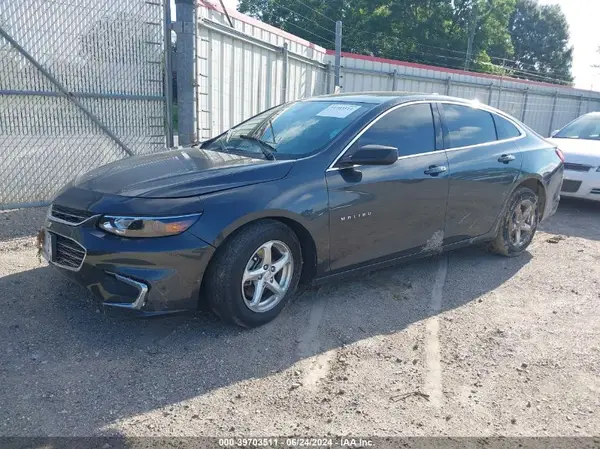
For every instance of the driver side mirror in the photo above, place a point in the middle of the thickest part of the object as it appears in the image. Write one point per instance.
(554, 132)
(371, 155)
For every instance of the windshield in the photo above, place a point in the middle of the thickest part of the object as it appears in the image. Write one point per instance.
(586, 127)
(291, 130)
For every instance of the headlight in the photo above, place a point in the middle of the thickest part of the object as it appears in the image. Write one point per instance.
(147, 226)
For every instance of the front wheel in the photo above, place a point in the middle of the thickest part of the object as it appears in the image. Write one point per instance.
(518, 225)
(254, 274)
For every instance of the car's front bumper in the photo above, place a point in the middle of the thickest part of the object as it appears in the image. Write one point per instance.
(581, 184)
(146, 275)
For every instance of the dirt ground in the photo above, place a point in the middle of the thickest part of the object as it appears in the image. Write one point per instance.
(465, 344)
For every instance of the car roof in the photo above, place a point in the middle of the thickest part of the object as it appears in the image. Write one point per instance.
(384, 97)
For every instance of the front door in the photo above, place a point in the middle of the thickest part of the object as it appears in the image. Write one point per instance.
(378, 212)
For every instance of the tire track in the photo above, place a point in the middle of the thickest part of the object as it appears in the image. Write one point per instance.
(315, 365)
(433, 376)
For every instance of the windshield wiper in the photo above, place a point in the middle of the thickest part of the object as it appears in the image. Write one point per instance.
(267, 149)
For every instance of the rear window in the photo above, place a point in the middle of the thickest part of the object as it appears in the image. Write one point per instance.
(504, 128)
(468, 126)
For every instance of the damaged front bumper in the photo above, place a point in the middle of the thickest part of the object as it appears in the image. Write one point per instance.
(144, 275)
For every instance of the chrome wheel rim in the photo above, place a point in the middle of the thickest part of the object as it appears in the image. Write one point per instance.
(267, 276)
(522, 223)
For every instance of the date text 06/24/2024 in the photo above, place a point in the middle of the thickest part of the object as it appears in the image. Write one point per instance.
(295, 442)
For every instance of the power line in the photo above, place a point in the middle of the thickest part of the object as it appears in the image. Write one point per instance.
(526, 72)
(314, 10)
(462, 52)
(308, 31)
(509, 70)
(306, 18)
(472, 59)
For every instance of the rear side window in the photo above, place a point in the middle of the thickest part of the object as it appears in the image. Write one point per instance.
(504, 128)
(468, 126)
(409, 128)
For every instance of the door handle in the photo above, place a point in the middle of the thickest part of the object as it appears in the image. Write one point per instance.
(506, 158)
(435, 170)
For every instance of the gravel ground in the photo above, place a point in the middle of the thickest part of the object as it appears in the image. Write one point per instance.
(465, 344)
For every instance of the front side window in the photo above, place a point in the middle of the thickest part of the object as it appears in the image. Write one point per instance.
(468, 126)
(291, 130)
(408, 128)
(586, 127)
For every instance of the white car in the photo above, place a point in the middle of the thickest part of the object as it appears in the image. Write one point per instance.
(580, 143)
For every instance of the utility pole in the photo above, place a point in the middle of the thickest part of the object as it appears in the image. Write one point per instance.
(338, 54)
(476, 18)
(471, 28)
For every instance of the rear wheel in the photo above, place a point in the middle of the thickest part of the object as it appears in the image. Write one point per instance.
(518, 225)
(254, 274)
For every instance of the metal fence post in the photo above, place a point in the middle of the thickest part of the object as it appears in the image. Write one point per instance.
(185, 70)
(338, 52)
(489, 102)
(328, 78)
(168, 75)
(499, 94)
(284, 74)
(394, 75)
(448, 84)
(551, 127)
(525, 101)
(579, 105)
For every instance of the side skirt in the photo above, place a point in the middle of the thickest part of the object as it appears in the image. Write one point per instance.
(352, 272)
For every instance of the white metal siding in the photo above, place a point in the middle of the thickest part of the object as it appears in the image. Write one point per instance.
(240, 71)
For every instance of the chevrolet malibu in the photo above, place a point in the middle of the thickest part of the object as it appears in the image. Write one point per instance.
(304, 192)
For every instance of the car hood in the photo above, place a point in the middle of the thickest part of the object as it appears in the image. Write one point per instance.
(579, 151)
(181, 173)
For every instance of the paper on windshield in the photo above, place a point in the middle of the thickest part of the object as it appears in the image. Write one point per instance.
(338, 110)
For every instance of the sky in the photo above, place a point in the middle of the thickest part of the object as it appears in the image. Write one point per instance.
(582, 16)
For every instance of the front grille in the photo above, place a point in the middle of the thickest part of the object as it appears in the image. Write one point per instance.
(570, 186)
(595, 191)
(577, 167)
(69, 215)
(69, 253)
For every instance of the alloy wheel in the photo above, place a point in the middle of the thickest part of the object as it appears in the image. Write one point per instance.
(522, 223)
(267, 276)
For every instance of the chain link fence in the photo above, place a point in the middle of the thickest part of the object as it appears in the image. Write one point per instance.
(81, 85)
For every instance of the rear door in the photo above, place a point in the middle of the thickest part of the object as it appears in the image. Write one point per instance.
(483, 163)
(378, 212)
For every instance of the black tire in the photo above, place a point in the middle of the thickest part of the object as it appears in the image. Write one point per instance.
(224, 274)
(502, 243)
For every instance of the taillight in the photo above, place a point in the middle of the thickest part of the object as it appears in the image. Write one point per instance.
(560, 154)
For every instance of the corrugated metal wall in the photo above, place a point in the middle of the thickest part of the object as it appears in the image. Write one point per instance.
(241, 71)
(534, 103)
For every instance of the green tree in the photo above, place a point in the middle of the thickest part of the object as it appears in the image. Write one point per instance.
(540, 38)
(435, 32)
